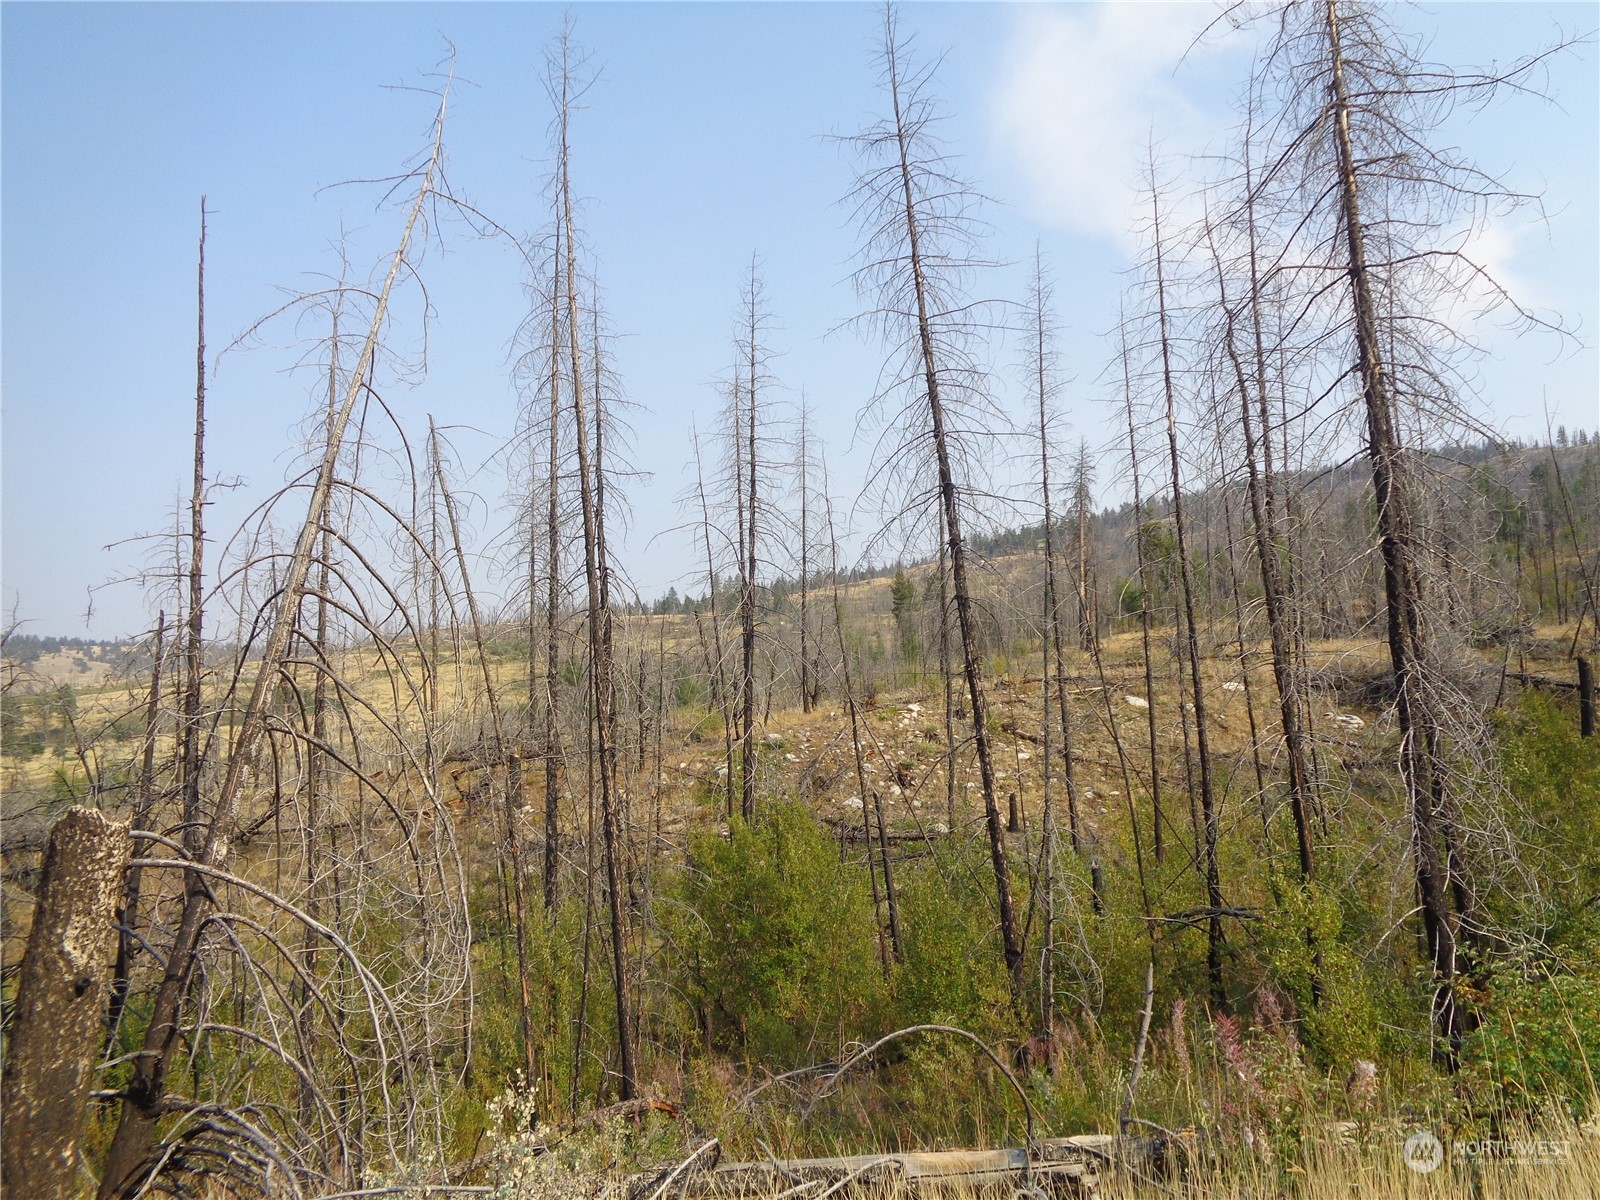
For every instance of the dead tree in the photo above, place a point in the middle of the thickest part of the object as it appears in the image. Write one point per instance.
(810, 647)
(716, 673)
(540, 373)
(193, 750)
(161, 1134)
(1145, 583)
(1041, 356)
(893, 950)
(1211, 815)
(918, 225)
(1082, 485)
(1251, 386)
(501, 761)
(596, 571)
(1359, 194)
(750, 382)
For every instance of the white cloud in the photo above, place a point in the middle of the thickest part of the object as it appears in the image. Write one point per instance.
(1498, 246)
(1087, 89)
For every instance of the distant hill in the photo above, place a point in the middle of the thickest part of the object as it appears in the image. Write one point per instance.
(33, 662)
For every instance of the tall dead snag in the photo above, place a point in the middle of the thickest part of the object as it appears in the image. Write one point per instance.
(317, 765)
(749, 384)
(596, 590)
(545, 462)
(1251, 383)
(1041, 356)
(1360, 196)
(892, 948)
(193, 750)
(1211, 816)
(1142, 561)
(60, 1003)
(1422, 766)
(810, 671)
(552, 629)
(502, 759)
(1082, 505)
(920, 229)
(1041, 363)
(716, 680)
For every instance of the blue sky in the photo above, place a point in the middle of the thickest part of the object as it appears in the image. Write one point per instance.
(704, 140)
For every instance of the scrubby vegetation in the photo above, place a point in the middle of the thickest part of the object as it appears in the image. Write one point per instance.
(1279, 762)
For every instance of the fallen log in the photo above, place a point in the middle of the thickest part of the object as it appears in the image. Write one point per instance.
(1071, 1168)
(852, 833)
(1542, 681)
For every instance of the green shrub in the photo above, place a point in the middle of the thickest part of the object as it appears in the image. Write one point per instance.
(1339, 1019)
(774, 940)
(1539, 1045)
(953, 971)
(1553, 775)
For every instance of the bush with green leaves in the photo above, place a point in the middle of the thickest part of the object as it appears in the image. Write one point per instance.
(774, 944)
(1537, 1052)
(1553, 775)
(1538, 1047)
(953, 970)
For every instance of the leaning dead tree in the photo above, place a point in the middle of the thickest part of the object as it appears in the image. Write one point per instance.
(1243, 343)
(310, 1041)
(919, 229)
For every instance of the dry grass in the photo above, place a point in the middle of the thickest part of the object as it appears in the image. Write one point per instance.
(1557, 1164)
(1553, 1165)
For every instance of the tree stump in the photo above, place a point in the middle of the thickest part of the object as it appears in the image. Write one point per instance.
(1585, 698)
(61, 1004)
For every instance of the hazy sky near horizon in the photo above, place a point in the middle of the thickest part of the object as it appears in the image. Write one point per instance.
(704, 140)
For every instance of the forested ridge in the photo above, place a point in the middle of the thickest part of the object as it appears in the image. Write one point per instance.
(1236, 783)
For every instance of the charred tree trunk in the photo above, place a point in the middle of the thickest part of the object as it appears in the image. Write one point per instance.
(602, 678)
(1421, 737)
(966, 616)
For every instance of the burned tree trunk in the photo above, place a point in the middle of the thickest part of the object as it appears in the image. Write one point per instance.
(911, 209)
